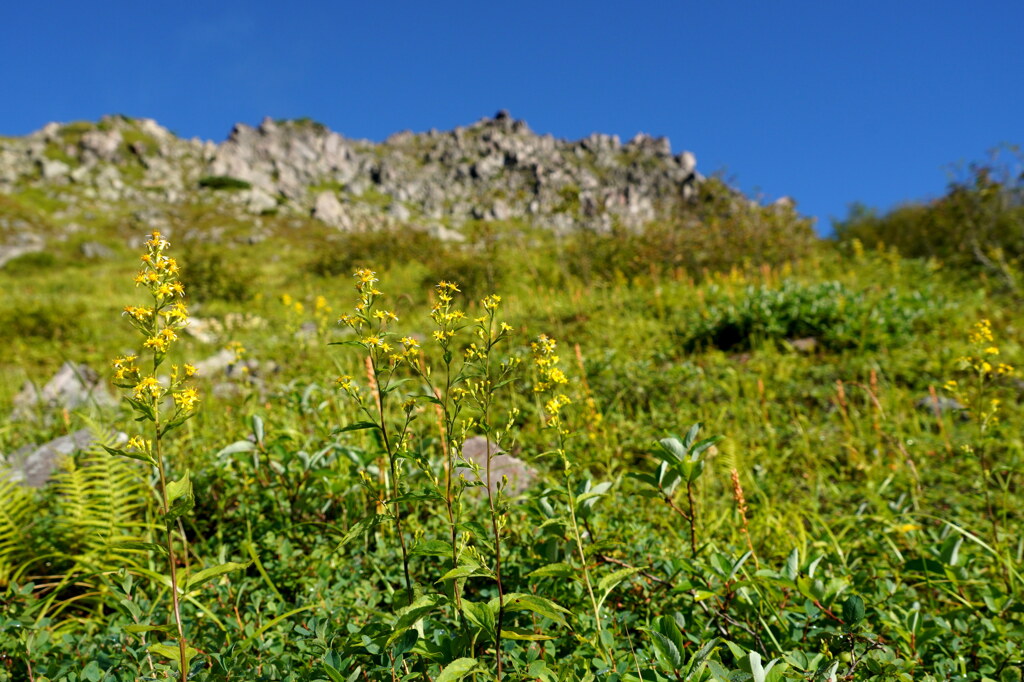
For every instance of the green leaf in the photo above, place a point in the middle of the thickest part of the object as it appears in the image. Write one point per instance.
(212, 572)
(674, 448)
(333, 673)
(358, 426)
(667, 652)
(180, 498)
(480, 615)
(145, 410)
(699, 449)
(235, 448)
(524, 635)
(950, 553)
(175, 423)
(432, 548)
(586, 499)
(559, 570)
(408, 616)
(669, 627)
(691, 436)
(458, 669)
(853, 610)
(361, 528)
(608, 583)
(719, 673)
(699, 659)
(172, 653)
(147, 546)
(739, 564)
(137, 628)
(466, 571)
(141, 456)
(792, 569)
(518, 601)
(692, 470)
(257, 428)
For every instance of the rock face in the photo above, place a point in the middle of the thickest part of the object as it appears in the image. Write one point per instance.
(495, 169)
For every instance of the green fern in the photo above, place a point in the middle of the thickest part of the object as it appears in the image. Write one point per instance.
(102, 501)
(18, 506)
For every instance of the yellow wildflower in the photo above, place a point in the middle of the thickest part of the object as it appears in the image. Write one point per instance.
(186, 400)
(148, 387)
(157, 343)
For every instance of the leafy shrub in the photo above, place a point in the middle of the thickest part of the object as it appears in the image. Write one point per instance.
(31, 262)
(438, 260)
(978, 223)
(835, 315)
(49, 322)
(213, 276)
(218, 182)
(717, 232)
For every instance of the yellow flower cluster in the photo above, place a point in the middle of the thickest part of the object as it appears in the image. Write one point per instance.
(126, 374)
(186, 400)
(237, 349)
(159, 275)
(148, 389)
(139, 443)
(982, 357)
(448, 319)
(549, 377)
(292, 305)
(159, 324)
(378, 341)
(547, 364)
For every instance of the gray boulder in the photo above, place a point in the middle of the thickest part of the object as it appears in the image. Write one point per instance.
(941, 404)
(70, 388)
(33, 465)
(327, 209)
(518, 473)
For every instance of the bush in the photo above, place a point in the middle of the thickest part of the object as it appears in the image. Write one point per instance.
(31, 262)
(217, 182)
(47, 322)
(386, 249)
(720, 230)
(212, 276)
(979, 223)
(835, 315)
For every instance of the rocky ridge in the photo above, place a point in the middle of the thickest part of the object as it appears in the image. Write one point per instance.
(495, 169)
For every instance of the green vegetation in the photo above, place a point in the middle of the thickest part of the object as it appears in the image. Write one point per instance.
(978, 224)
(218, 182)
(714, 501)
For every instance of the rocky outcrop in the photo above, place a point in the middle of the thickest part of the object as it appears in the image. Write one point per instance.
(72, 387)
(496, 169)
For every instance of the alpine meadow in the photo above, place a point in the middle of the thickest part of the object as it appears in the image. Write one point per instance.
(490, 405)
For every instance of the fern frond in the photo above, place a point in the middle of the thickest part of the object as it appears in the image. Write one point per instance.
(102, 504)
(18, 506)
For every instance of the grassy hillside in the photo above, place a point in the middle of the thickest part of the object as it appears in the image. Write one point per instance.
(859, 519)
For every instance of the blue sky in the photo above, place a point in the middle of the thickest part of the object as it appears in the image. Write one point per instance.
(830, 102)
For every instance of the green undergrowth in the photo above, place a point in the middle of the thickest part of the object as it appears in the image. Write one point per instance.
(843, 528)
